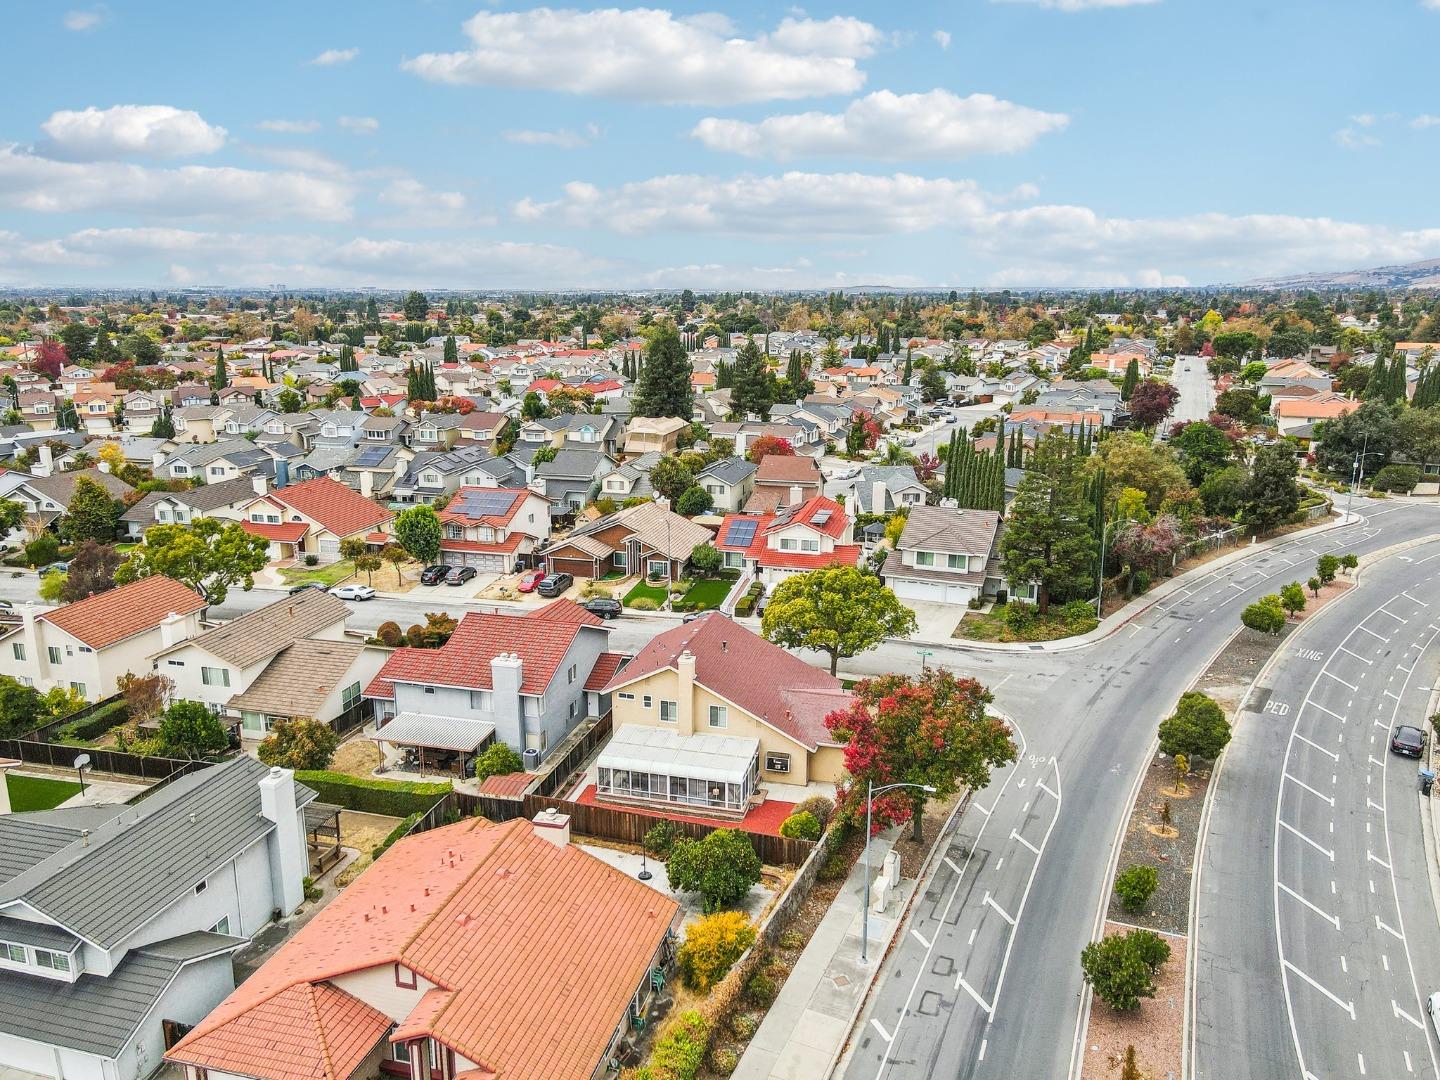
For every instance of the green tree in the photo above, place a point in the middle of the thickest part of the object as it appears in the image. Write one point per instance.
(932, 730)
(1197, 728)
(21, 708)
(367, 564)
(1222, 493)
(52, 586)
(1203, 449)
(932, 384)
(1292, 598)
(497, 760)
(694, 500)
(91, 515)
(839, 610)
(12, 516)
(1349, 560)
(1049, 540)
(452, 350)
(208, 555)
(163, 426)
(1371, 430)
(751, 383)
(1118, 970)
(1131, 380)
(706, 559)
(189, 729)
(671, 478)
(1135, 885)
(1326, 567)
(221, 379)
(721, 868)
(396, 556)
(1266, 615)
(1271, 494)
(78, 340)
(663, 388)
(1314, 586)
(299, 744)
(289, 401)
(415, 307)
(44, 549)
(418, 531)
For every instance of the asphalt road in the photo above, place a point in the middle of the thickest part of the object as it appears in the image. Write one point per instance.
(1094, 711)
(1197, 393)
(1317, 927)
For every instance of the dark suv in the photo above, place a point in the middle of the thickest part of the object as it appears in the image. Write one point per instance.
(433, 575)
(606, 609)
(1408, 740)
(552, 585)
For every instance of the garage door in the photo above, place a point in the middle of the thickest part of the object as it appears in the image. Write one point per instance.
(329, 547)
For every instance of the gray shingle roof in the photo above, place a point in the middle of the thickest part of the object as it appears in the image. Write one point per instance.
(731, 470)
(297, 682)
(267, 630)
(963, 532)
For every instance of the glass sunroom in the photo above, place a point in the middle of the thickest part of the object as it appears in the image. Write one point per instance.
(654, 765)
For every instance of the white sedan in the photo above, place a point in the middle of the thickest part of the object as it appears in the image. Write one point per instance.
(353, 592)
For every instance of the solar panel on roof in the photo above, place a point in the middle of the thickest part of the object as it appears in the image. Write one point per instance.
(820, 518)
(741, 533)
(486, 503)
(372, 455)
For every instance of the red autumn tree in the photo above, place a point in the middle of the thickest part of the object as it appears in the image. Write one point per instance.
(50, 358)
(1151, 402)
(930, 730)
(769, 444)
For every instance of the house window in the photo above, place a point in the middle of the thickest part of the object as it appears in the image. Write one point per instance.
(718, 717)
(19, 650)
(400, 1051)
(957, 562)
(669, 712)
(626, 696)
(809, 545)
(788, 543)
(454, 532)
(215, 676)
(175, 663)
(14, 953)
(483, 700)
(647, 701)
(779, 763)
(201, 887)
(404, 977)
(924, 558)
(534, 706)
(54, 651)
(54, 961)
(221, 927)
(537, 740)
(430, 689)
(350, 697)
(570, 674)
(572, 710)
(659, 567)
(619, 560)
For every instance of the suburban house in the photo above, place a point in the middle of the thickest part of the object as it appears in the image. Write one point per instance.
(467, 952)
(432, 475)
(630, 479)
(313, 518)
(712, 679)
(569, 479)
(222, 500)
(646, 539)
(435, 431)
(808, 536)
(653, 434)
(1293, 413)
(729, 483)
(482, 428)
(883, 489)
(215, 462)
(943, 555)
(492, 528)
(782, 481)
(516, 679)
(287, 660)
(47, 497)
(88, 645)
(118, 922)
(578, 431)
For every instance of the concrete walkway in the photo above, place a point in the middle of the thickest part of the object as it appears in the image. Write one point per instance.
(804, 1032)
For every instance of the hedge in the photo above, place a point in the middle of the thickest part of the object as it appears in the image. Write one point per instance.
(91, 727)
(395, 834)
(393, 798)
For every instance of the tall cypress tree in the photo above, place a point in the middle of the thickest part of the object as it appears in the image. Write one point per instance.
(1132, 379)
(452, 351)
(663, 388)
(222, 377)
(750, 392)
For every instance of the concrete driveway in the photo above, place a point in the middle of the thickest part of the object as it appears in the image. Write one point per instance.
(935, 621)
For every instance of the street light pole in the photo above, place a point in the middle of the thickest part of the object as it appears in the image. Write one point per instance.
(870, 792)
(1100, 572)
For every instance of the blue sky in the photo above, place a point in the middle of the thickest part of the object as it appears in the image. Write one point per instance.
(980, 142)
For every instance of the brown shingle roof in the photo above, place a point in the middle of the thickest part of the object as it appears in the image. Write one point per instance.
(265, 631)
(784, 469)
(963, 532)
(102, 620)
(297, 682)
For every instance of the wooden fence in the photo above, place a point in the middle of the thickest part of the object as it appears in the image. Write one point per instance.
(559, 771)
(61, 756)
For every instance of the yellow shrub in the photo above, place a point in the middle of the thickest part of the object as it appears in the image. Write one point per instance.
(711, 945)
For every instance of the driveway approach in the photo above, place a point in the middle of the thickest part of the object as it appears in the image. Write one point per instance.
(990, 984)
(1317, 931)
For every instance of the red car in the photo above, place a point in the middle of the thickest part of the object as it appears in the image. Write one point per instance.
(529, 580)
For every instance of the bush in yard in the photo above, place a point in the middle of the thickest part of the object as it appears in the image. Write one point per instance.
(679, 1053)
(1135, 885)
(705, 559)
(1349, 561)
(761, 990)
(818, 807)
(371, 795)
(496, 760)
(721, 868)
(801, 826)
(643, 603)
(1326, 567)
(1197, 728)
(712, 945)
(1020, 617)
(744, 1025)
(299, 744)
(43, 549)
(1152, 949)
(190, 730)
(1292, 598)
(661, 838)
(312, 560)
(1117, 972)
(390, 634)
(724, 1060)
(1397, 478)
(1266, 615)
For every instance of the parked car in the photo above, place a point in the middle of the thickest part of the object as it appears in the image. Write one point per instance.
(952, 419)
(61, 567)
(1408, 740)
(530, 579)
(433, 575)
(606, 609)
(693, 615)
(306, 585)
(353, 592)
(847, 473)
(552, 585)
(458, 575)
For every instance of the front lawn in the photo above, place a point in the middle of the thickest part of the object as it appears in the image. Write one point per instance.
(704, 595)
(642, 591)
(38, 792)
(327, 575)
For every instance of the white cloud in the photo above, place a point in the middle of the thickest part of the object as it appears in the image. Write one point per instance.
(888, 126)
(416, 206)
(81, 20)
(289, 127)
(1085, 5)
(39, 184)
(942, 38)
(650, 54)
(1364, 119)
(1433, 5)
(335, 57)
(360, 125)
(795, 202)
(564, 138)
(299, 159)
(1354, 139)
(1425, 120)
(130, 131)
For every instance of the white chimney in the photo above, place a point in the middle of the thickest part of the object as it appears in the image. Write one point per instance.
(288, 861)
(260, 484)
(104, 466)
(173, 630)
(877, 497)
(367, 483)
(553, 826)
(156, 460)
(797, 495)
(45, 465)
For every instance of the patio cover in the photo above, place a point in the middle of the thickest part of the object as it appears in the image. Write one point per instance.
(724, 758)
(435, 732)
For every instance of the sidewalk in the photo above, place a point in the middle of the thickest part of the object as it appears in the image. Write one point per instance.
(805, 1030)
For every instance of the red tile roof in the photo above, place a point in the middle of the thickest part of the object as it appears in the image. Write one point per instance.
(836, 525)
(500, 920)
(763, 679)
(565, 610)
(510, 785)
(844, 555)
(786, 469)
(540, 641)
(102, 620)
(606, 665)
(336, 507)
(458, 501)
(288, 532)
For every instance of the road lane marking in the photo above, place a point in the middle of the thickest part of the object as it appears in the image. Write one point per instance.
(1029, 846)
(1376, 761)
(1407, 596)
(1356, 655)
(1382, 609)
(961, 984)
(1307, 787)
(982, 810)
(1323, 850)
(1327, 712)
(1374, 805)
(951, 864)
(973, 932)
(990, 901)
(1408, 1066)
(983, 1043)
(1403, 1015)
(1041, 785)
(1367, 630)
(1348, 1006)
(1376, 858)
(1388, 694)
(1341, 681)
(1361, 1058)
(1316, 746)
(883, 1033)
(1331, 919)
(1388, 928)
(916, 935)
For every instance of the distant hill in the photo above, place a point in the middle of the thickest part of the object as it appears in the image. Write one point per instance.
(1417, 275)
